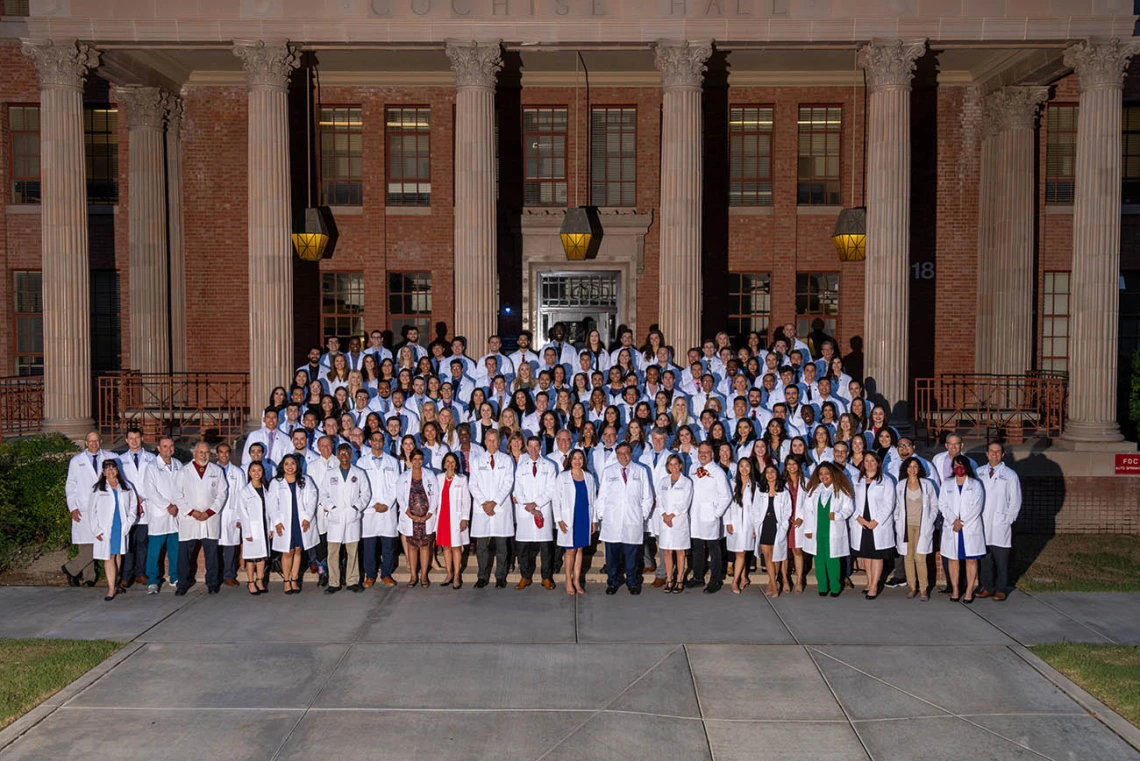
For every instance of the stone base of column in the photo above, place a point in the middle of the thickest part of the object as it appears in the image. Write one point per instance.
(75, 429)
(1093, 437)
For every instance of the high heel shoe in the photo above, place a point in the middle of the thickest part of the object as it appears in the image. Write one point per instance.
(253, 590)
(457, 584)
(424, 582)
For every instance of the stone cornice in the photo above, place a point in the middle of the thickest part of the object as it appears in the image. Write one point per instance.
(61, 64)
(891, 63)
(476, 64)
(267, 66)
(1101, 63)
(682, 64)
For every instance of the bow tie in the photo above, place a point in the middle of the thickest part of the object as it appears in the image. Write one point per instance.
(701, 472)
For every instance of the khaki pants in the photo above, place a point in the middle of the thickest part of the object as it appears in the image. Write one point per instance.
(82, 562)
(351, 564)
(916, 576)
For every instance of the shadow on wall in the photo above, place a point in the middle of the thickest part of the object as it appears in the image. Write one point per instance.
(1042, 497)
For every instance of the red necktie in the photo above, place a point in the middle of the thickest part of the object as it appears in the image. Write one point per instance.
(534, 469)
(565, 463)
(991, 472)
(623, 476)
(492, 462)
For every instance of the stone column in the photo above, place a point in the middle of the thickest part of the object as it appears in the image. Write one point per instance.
(1011, 279)
(476, 66)
(177, 245)
(149, 289)
(268, 66)
(989, 190)
(1094, 301)
(62, 68)
(889, 66)
(682, 67)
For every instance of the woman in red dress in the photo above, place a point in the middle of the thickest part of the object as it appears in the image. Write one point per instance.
(454, 517)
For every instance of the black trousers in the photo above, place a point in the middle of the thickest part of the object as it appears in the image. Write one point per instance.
(528, 551)
(993, 571)
(230, 562)
(134, 559)
(188, 562)
(707, 557)
(483, 553)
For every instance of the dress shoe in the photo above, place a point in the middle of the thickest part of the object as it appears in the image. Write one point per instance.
(548, 584)
(984, 594)
(230, 582)
(141, 580)
(212, 590)
(658, 583)
(694, 582)
(611, 590)
(480, 583)
(355, 588)
(322, 581)
(89, 583)
(713, 588)
(835, 594)
(180, 592)
(635, 590)
(368, 583)
(501, 584)
(999, 596)
(72, 581)
(331, 590)
(388, 581)
(523, 583)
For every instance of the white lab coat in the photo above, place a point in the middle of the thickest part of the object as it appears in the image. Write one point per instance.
(658, 471)
(276, 442)
(563, 504)
(279, 508)
(383, 472)
(783, 510)
(939, 466)
(318, 470)
(459, 509)
(880, 499)
(624, 505)
(403, 495)
(676, 499)
(842, 507)
(81, 477)
(711, 496)
(1003, 503)
(160, 492)
(798, 509)
(254, 529)
(343, 500)
(135, 477)
(207, 493)
(967, 507)
(925, 536)
(534, 482)
(101, 509)
(270, 467)
(231, 514)
(739, 515)
(433, 455)
(600, 459)
(492, 485)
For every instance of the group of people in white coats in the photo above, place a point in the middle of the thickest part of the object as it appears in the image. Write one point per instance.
(762, 453)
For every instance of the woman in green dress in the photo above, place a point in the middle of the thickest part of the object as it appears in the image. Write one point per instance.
(830, 502)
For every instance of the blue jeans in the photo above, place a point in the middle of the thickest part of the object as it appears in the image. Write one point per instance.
(622, 564)
(388, 547)
(154, 546)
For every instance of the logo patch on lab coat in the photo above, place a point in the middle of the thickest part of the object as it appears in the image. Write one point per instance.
(335, 480)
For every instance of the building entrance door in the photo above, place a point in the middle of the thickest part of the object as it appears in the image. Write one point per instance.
(582, 301)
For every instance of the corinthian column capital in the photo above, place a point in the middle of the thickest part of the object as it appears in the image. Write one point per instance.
(61, 64)
(476, 64)
(890, 64)
(174, 107)
(146, 106)
(1101, 63)
(682, 64)
(267, 66)
(1013, 108)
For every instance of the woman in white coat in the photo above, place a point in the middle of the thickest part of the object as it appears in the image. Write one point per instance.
(454, 517)
(916, 510)
(417, 493)
(252, 526)
(830, 502)
(795, 482)
(576, 516)
(113, 508)
(872, 526)
(674, 501)
(740, 531)
(963, 536)
(292, 508)
(772, 517)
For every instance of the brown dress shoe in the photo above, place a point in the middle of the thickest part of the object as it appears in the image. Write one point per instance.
(658, 583)
(388, 581)
(523, 584)
(368, 583)
(141, 580)
(230, 583)
(999, 596)
(548, 584)
(984, 594)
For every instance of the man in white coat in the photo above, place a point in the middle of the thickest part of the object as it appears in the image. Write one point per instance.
(379, 527)
(345, 495)
(524, 354)
(563, 445)
(492, 520)
(83, 471)
(275, 441)
(134, 463)
(202, 491)
(160, 500)
(534, 517)
(624, 504)
(711, 496)
(318, 470)
(230, 538)
(1003, 503)
(654, 459)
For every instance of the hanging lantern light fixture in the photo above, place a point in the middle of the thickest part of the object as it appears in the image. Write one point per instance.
(312, 233)
(581, 230)
(850, 235)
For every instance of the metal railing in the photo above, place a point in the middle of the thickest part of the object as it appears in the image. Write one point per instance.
(21, 404)
(1010, 406)
(183, 405)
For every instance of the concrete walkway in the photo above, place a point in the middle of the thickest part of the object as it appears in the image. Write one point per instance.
(499, 674)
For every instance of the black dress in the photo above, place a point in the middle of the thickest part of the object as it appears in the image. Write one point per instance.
(867, 538)
(768, 528)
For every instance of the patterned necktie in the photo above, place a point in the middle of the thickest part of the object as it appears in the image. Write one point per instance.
(991, 472)
(624, 478)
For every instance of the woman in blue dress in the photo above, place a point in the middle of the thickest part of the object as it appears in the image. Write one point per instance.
(115, 508)
(575, 516)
